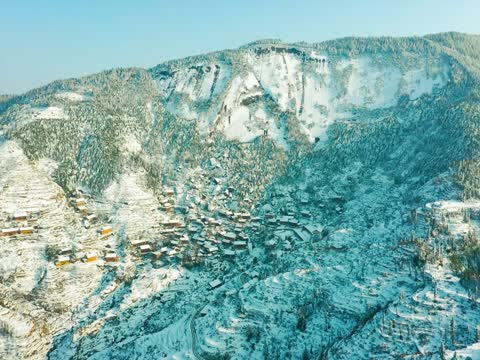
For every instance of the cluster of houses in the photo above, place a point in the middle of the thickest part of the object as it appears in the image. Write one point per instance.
(79, 202)
(67, 256)
(204, 229)
(197, 235)
(22, 223)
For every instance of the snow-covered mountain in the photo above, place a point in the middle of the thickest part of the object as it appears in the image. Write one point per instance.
(247, 94)
(314, 201)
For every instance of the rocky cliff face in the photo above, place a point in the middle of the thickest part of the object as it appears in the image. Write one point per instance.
(358, 156)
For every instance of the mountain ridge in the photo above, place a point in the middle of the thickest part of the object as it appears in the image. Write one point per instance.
(441, 36)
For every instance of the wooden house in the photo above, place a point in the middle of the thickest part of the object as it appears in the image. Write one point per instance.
(92, 217)
(192, 229)
(212, 249)
(21, 216)
(229, 253)
(106, 230)
(167, 231)
(222, 212)
(10, 231)
(306, 213)
(111, 257)
(80, 202)
(293, 222)
(240, 244)
(82, 209)
(215, 284)
(245, 215)
(91, 256)
(26, 230)
(313, 229)
(144, 249)
(254, 274)
(199, 239)
(230, 236)
(184, 239)
(173, 223)
(66, 251)
(138, 243)
(272, 222)
(302, 235)
(168, 208)
(271, 244)
(161, 253)
(63, 260)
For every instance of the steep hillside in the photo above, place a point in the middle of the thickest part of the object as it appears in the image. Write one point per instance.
(330, 188)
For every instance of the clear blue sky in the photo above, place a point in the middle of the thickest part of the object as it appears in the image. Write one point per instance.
(47, 40)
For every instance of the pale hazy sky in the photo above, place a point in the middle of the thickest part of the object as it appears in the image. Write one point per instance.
(45, 40)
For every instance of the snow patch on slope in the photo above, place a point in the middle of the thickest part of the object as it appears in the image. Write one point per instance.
(71, 96)
(240, 126)
(472, 352)
(239, 88)
(131, 144)
(280, 76)
(50, 112)
(369, 85)
(418, 82)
